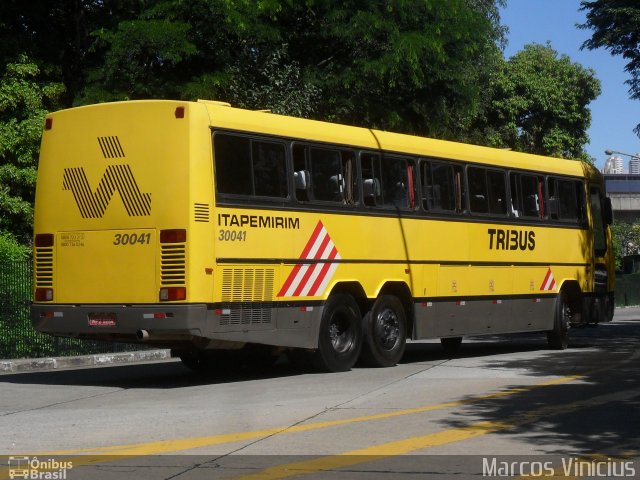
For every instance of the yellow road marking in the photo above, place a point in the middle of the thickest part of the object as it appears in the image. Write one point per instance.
(176, 445)
(109, 453)
(408, 445)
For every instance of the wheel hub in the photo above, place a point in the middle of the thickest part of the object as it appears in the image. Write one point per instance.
(387, 329)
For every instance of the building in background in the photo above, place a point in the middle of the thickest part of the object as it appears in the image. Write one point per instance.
(634, 165)
(614, 165)
(624, 191)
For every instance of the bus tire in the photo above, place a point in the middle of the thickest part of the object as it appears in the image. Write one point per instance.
(385, 333)
(451, 345)
(340, 336)
(558, 337)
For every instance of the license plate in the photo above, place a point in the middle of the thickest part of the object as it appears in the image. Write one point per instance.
(102, 319)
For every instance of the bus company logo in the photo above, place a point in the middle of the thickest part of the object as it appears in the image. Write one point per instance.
(117, 178)
(311, 279)
(36, 469)
(549, 283)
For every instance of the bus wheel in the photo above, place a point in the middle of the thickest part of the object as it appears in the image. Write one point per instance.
(340, 337)
(385, 333)
(451, 345)
(558, 337)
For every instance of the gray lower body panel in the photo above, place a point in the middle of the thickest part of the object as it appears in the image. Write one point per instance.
(173, 325)
(229, 326)
(441, 319)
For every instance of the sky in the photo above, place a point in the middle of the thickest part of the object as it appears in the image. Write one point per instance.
(613, 114)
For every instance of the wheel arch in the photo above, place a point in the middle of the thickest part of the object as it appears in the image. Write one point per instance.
(574, 295)
(354, 289)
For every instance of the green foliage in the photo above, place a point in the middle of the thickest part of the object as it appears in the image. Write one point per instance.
(626, 240)
(410, 66)
(429, 67)
(616, 27)
(140, 60)
(10, 249)
(274, 82)
(23, 104)
(539, 104)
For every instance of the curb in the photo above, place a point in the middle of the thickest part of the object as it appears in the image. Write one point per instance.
(96, 360)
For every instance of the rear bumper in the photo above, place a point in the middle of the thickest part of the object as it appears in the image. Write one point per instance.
(199, 325)
(160, 322)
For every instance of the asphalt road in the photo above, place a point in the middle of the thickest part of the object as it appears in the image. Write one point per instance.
(503, 405)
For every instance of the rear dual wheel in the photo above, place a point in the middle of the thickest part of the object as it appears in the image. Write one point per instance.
(385, 332)
(340, 337)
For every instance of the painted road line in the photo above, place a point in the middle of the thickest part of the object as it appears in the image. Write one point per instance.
(423, 442)
(109, 453)
(177, 445)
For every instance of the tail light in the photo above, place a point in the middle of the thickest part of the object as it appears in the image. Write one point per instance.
(44, 295)
(173, 294)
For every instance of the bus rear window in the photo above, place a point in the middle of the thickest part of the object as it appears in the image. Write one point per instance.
(249, 167)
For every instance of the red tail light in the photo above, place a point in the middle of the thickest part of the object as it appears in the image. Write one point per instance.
(44, 240)
(173, 236)
(44, 295)
(173, 294)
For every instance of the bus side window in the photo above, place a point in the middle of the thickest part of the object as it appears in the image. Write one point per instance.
(398, 189)
(582, 202)
(516, 197)
(497, 190)
(477, 181)
(250, 167)
(439, 183)
(568, 197)
(233, 164)
(371, 185)
(350, 177)
(327, 180)
(301, 175)
(532, 196)
(269, 169)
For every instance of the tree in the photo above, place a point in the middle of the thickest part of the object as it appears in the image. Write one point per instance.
(626, 240)
(410, 66)
(616, 27)
(23, 105)
(274, 82)
(140, 61)
(539, 104)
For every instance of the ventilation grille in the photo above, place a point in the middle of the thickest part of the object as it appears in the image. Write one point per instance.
(111, 147)
(44, 267)
(173, 264)
(247, 295)
(201, 212)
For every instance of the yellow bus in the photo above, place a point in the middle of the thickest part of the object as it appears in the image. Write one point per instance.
(205, 228)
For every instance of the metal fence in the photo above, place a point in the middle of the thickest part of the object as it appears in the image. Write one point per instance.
(18, 339)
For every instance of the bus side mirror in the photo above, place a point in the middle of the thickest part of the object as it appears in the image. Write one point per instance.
(608, 211)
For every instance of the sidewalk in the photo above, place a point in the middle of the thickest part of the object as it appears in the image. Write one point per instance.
(96, 360)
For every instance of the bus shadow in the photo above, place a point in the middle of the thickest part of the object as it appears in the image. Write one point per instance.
(164, 375)
(589, 404)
